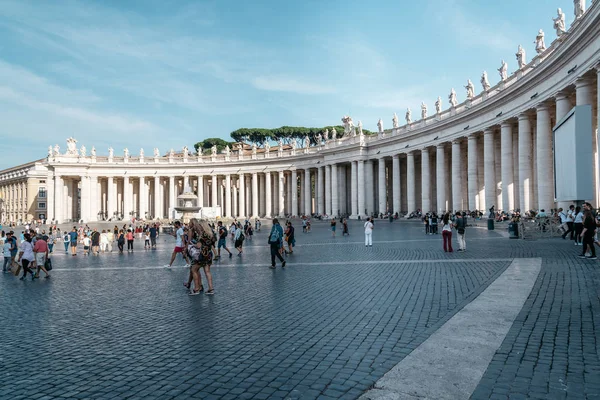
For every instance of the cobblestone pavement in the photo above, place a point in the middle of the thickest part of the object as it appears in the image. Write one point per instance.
(329, 325)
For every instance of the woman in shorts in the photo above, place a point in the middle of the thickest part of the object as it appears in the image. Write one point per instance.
(333, 224)
(200, 250)
(290, 237)
(26, 256)
(239, 238)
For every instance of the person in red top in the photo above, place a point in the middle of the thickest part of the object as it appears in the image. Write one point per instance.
(40, 250)
(130, 238)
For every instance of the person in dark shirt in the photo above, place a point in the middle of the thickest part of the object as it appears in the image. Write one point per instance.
(153, 233)
(589, 228)
(95, 242)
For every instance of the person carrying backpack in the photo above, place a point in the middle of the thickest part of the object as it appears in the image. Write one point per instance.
(460, 224)
(276, 243)
(222, 232)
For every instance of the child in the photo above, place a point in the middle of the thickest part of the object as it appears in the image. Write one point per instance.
(86, 245)
(147, 240)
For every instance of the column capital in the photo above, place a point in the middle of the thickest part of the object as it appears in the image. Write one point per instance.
(524, 117)
(425, 150)
(488, 131)
(543, 106)
(505, 124)
(396, 157)
(456, 141)
(583, 81)
(561, 95)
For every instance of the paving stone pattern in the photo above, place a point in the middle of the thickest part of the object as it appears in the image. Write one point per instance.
(328, 326)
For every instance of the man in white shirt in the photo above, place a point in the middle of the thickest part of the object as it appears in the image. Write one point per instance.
(179, 245)
(369, 233)
(569, 221)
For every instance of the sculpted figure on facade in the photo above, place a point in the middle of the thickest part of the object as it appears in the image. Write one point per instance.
(294, 146)
(156, 152)
(111, 152)
(83, 151)
(503, 70)
(438, 105)
(326, 135)
(306, 142)
(141, 153)
(348, 124)
(186, 152)
(360, 131)
(71, 146)
(56, 150)
(379, 126)
(521, 57)
(318, 139)
(452, 98)
(267, 148)
(334, 132)
(280, 148)
(559, 23)
(408, 116)
(579, 8)
(423, 110)
(171, 153)
(227, 151)
(93, 152)
(126, 153)
(213, 150)
(540, 45)
(484, 81)
(49, 151)
(254, 148)
(280, 143)
(395, 123)
(470, 89)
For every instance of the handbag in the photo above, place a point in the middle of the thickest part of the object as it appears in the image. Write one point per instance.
(48, 265)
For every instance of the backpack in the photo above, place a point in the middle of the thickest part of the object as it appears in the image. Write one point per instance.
(274, 237)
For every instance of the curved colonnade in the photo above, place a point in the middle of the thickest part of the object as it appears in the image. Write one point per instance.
(494, 149)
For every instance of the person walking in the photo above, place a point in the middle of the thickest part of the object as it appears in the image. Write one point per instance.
(104, 241)
(40, 250)
(66, 240)
(578, 224)
(290, 237)
(589, 228)
(95, 237)
(570, 225)
(345, 227)
(120, 240)
(153, 234)
(447, 233)
(239, 238)
(333, 224)
(6, 267)
(179, 248)
(276, 243)
(201, 243)
(87, 242)
(460, 224)
(73, 241)
(222, 232)
(130, 238)
(26, 256)
(369, 233)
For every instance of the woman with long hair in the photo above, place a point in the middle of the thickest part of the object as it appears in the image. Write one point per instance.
(26, 256)
(578, 223)
(447, 233)
(239, 238)
(200, 250)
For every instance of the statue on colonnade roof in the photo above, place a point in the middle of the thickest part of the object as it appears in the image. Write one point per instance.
(485, 82)
(540, 45)
(503, 70)
(559, 23)
(521, 57)
(395, 123)
(71, 146)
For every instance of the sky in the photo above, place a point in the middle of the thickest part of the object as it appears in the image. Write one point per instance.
(170, 73)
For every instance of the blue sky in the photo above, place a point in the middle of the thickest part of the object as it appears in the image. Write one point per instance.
(169, 73)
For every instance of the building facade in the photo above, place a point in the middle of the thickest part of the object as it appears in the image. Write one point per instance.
(495, 148)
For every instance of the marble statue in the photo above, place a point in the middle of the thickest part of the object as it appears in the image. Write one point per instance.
(334, 132)
(326, 135)
(227, 151)
(49, 151)
(267, 147)
(240, 148)
(559, 23)
(438, 105)
(171, 153)
(347, 121)
(126, 153)
(71, 146)
(452, 98)
(579, 8)
(306, 142)
(503, 70)
(423, 110)
(213, 150)
(318, 139)
(540, 45)
(360, 131)
(111, 152)
(380, 125)
(156, 152)
(470, 89)
(485, 82)
(93, 152)
(254, 149)
(186, 152)
(408, 116)
(56, 150)
(395, 121)
(521, 57)
(142, 153)
(352, 129)
(83, 151)
(280, 143)
(294, 144)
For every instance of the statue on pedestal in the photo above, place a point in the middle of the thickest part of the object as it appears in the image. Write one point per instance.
(559, 23)
(280, 148)
(326, 135)
(395, 121)
(83, 151)
(280, 143)
(540, 45)
(126, 153)
(110, 152)
(503, 70)
(71, 146)
(294, 146)
(452, 98)
(142, 153)
(423, 110)
(156, 152)
(56, 150)
(334, 132)
(186, 152)
(318, 139)
(306, 142)
(227, 151)
(408, 116)
(347, 122)
(438, 105)
(213, 150)
(470, 89)
(171, 153)
(254, 150)
(49, 151)
(93, 152)
(380, 126)
(360, 131)
(579, 8)
(521, 57)
(484, 81)
(267, 148)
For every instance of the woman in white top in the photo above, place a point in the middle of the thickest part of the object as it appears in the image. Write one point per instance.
(26, 256)
(104, 241)
(447, 233)
(578, 225)
(369, 233)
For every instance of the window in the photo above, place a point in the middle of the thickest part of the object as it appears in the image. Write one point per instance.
(42, 181)
(41, 206)
(42, 193)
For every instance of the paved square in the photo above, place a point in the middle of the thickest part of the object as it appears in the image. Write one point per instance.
(329, 325)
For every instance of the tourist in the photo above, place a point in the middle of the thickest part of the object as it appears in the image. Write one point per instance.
(369, 232)
(73, 241)
(333, 224)
(130, 238)
(304, 225)
(6, 247)
(290, 238)
(178, 244)
(426, 221)
(570, 218)
(147, 240)
(10, 236)
(66, 241)
(460, 224)
(222, 232)
(345, 227)
(40, 250)
(50, 243)
(95, 237)
(104, 241)
(121, 240)
(87, 242)
(200, 248)
(589, 228)
(447, 233)
(26, 256)
(153, 234)
(232, 228)
(276, 243)
(239, 238)
(257, 224)
(578, 224)
(433, 224)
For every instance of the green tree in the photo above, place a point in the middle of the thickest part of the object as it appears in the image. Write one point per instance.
(206, 145)
(285, 133)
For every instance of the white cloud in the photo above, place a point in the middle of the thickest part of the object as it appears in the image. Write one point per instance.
(286, 84)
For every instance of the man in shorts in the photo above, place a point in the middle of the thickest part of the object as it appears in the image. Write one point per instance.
(222, 232)
(153, 232)
(73, 240)
(95, 237)
(179, 245)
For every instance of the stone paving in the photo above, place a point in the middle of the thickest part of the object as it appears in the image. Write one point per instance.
(329, 325)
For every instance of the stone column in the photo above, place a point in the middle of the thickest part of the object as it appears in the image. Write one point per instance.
(268, 195)
(410, 182)
(254, 195)
(369, 192)
(307, 193)
(242, 198)
(127, 197)
(440, 173)
(156, 197)
(85, 198)
(396, 188)
(228, 196)
(563, 104)
(294, 189)
(473, 184)
(49, 197)
(200, 191)
(261, 194)
(545, 164)
(214, 191)
(281, 189)
(457, 179)
(172, 197)
(143, 194)
(111, 197)
(354, 189)
(584, 90)
(489, 170)
(328, 190)
(361, 188)
(381, 187)
(425, 180)
(94, 209)
(335, 204)
(506, 145)
(320, 191)
(525, 173)
(301, 206)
